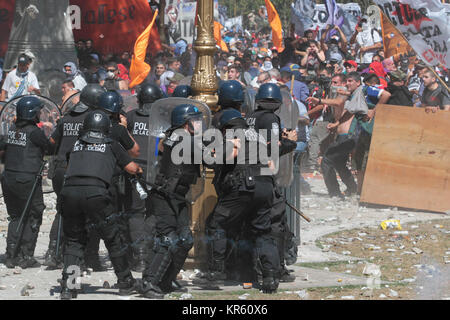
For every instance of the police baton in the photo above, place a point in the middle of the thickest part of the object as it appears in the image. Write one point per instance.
(27, 207)
(58, 237)
(301, 214)
(165, 192)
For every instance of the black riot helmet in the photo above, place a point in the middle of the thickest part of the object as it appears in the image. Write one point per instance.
(96, 127)
(231, 94)
(185, 113)
(111, 102)
(89, 97)
(182, 91)
(269, 97)
(28, 108)
(228, 117)
(148, 94)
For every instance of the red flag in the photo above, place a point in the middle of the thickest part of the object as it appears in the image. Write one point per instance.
(275, 23)
(139, 69)
(113, 25)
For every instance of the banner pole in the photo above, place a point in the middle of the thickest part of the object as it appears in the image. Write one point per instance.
(382, 30)
(430, 68)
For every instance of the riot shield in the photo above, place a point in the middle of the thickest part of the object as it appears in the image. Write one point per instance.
(2, 103)
(288, 113)
(70, 103)
(249, 104)
(159, 123)
(52, 81)
(48, 117)
(130, 103)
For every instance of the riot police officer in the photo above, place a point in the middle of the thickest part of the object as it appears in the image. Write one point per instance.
(182, 91)
(64, 137)
(245, 198)
(87, 202)
(268, 100)
(173, 236)
(24, 148)
(139, 228)
(111, 102)
(231, 95)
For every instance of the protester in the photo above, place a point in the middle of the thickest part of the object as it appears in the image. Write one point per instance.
(73, 74)
(368, 40)
(20, 81)
(434, 97)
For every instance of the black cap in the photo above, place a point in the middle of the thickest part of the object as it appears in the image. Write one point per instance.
(24, 59)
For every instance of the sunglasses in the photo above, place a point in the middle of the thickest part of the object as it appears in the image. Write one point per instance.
(111, 70)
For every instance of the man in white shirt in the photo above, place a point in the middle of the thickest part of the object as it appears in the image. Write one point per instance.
(20, 81)
(369, 41)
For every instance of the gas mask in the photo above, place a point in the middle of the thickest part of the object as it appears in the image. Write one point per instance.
(110, 75)
(365, 26)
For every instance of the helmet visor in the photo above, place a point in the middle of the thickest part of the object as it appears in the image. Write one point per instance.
(196, 123)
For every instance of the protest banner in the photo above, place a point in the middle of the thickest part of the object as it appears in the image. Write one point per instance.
(424, 24)
(180, 19)
(6, 21)
(307, 15)
(113, 25)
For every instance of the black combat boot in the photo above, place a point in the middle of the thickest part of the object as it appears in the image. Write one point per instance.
(269, 282)
(51, 260)
(151, 291)
(28, 262)
(286, 276)
(129, 286)
(11, 262)
(215, 276)
(66, 293)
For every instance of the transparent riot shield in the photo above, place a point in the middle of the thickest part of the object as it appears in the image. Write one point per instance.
(249, 104)
(130, 103)
(48, 117)
(2, 103)
(159, 123)
(70, 103)
(288, 113)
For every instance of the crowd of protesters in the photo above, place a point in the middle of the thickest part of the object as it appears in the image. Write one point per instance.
(336, 82)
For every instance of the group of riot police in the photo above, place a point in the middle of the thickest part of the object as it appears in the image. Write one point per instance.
(99, 176)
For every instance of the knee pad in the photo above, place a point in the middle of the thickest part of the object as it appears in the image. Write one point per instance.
(186, 240)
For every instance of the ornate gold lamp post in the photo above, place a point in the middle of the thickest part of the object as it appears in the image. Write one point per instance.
(204, 85)
(204, 81)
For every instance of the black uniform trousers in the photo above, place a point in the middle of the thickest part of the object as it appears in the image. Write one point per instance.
(91, 207)
(251, 208)
(172, 242)
(93, 241)
(335, 159)
(140, 224)
(16, 188)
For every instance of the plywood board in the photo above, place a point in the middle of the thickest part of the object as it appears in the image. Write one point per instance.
(409, 159)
